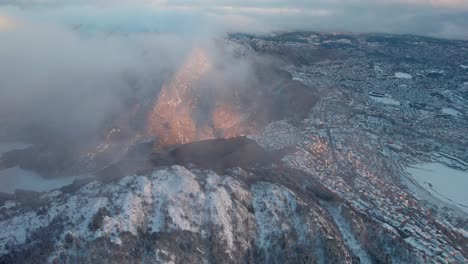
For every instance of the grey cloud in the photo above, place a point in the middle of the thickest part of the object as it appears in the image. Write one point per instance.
(70, 58)
(72, 82)
(440, 18)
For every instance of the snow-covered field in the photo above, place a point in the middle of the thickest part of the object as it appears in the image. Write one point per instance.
(443, 182)
(16, 178)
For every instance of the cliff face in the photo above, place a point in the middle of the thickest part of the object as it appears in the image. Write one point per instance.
(171, 119)
(204, 100)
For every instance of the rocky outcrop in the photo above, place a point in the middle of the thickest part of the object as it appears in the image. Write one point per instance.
(203, 101)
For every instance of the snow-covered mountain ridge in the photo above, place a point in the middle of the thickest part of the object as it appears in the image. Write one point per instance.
(174, 215)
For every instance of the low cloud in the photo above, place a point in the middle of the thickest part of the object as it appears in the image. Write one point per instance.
(71, 77)
(68, 63)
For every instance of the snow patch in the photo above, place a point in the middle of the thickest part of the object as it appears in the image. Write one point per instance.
(402, 75)
(348, 236)
(386, 100)
(131, 208)
(276, 211)
(177, 200)
(14, 230)
(220, 204)
(451, 111)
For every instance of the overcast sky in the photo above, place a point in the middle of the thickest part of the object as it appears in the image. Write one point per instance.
(440, 18)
